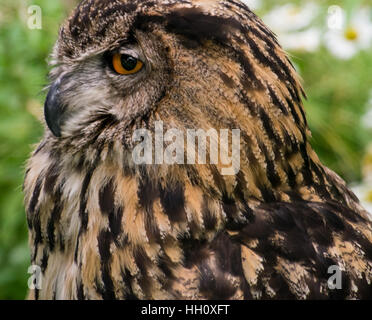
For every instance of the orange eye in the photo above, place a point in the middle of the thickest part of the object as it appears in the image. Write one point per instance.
(126, 64)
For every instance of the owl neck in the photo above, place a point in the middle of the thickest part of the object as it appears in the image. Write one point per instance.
(98, 209)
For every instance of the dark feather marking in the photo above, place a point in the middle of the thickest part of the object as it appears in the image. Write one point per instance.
(214, 285)
(320, 174)
(110, 16)
(84, 16)
(25, 178)
(142, 260)
(290, 144)
(267, 193)
(219, 182)
(54, 218)
(82, 9)
(276, 101)
(105, 121)
(248, 79)
(230, 208)
(286, 74)
(127, 288)
(194, 24)
(51, 176)
(76, 253)
(107, 205)
(165, 265)
(346, 212)
(37, 233)
(107, 198)
(228, 254)
(80, 165)
(83, 198)
(239, 195)
(337, 194)
(266, 61)
(35, 195)
(147, 194)
(84, 216)
(172, 199)
(193, 175)
(44, 260)
(334, 221)
(104, 242)
(271, 171)
(61, 241)
(115, 223)
(302, 111)
(194, 250)
(80, 291)
(291, 177)
(229, 82)
(268, 126)
(306, 169)
(280, 286)
(243, 6)
(294, 95)
(253, 162)
(40, 147)
(198, 26)
(299, 223)
(294, 113)
(210, 220)
(143, 22)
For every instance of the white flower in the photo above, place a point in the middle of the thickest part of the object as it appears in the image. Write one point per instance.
(364, 193)
(367, 119)
(308, 40)
(347, 41)
(291, 17)
(364, 190)
(253, 4)
(336, 17)
(289, 22)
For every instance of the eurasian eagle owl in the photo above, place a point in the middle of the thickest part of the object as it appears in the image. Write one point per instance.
(103, 226)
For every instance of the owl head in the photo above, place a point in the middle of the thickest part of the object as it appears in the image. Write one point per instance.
(121, 65)
(192, 64)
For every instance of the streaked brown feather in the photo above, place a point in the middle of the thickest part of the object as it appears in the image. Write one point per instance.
(104, 228)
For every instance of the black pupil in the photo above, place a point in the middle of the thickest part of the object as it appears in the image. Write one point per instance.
(128, 62)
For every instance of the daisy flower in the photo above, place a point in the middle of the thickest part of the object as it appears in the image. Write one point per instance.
(291, 17)
(308, 40)
(347, 41)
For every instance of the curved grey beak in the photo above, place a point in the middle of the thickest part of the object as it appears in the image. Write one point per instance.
(54, 109)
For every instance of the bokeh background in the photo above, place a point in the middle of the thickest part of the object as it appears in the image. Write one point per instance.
(330, 43)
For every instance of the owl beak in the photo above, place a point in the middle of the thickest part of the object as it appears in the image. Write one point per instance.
(54, 109)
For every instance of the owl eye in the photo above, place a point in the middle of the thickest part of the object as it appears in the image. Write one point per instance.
(126, 64)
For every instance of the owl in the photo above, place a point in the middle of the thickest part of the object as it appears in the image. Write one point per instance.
(105, 226)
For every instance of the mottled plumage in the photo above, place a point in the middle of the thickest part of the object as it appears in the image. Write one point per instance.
(102, 227)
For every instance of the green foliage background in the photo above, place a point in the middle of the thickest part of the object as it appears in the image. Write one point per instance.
(337, 90)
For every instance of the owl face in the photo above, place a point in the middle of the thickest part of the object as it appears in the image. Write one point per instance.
(122, 65)
(122, 83)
